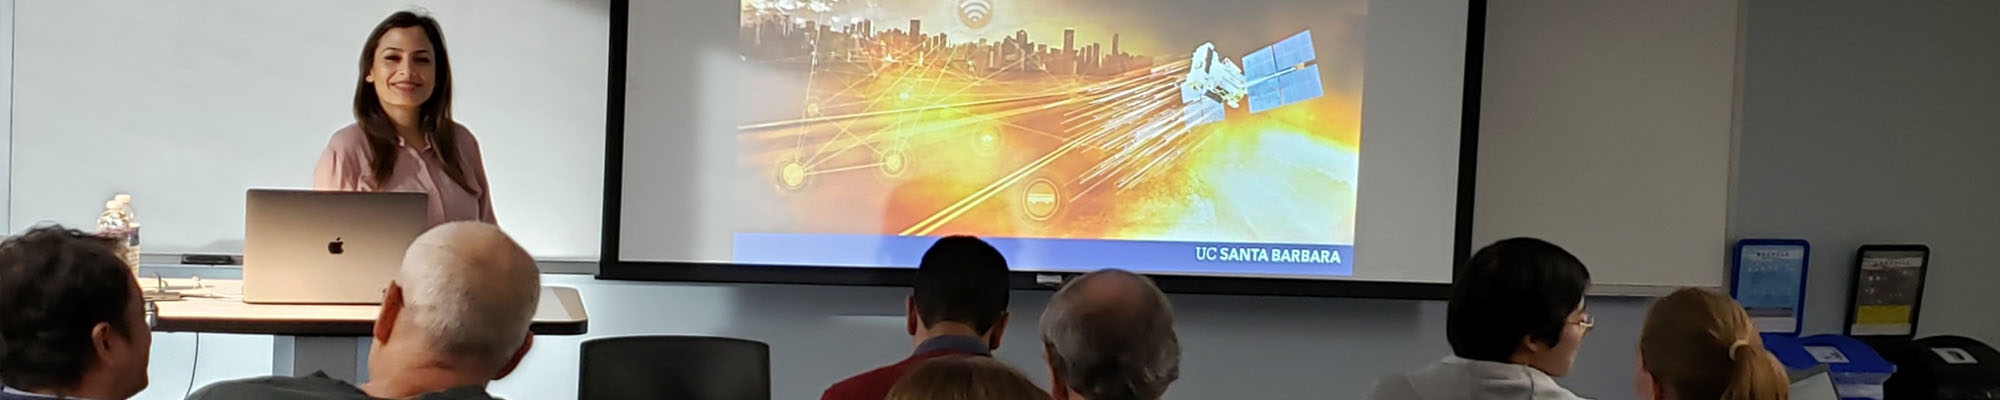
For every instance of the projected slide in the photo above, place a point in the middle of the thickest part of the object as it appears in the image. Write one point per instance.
(1202, 138)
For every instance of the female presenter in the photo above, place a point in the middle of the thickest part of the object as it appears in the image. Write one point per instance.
(403, 138)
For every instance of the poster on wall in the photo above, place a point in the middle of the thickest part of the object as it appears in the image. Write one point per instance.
(1770, 282)
(1888, 289)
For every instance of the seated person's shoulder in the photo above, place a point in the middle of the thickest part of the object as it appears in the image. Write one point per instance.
(870, 385)
(315, 387)
(1394, 387)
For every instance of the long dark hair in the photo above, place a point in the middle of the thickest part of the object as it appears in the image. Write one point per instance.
(433, 117)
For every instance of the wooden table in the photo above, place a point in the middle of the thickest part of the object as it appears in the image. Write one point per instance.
(330, 338)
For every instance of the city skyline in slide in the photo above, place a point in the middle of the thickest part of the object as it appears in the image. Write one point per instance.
(1000, 130)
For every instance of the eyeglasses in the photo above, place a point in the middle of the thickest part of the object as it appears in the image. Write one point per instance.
(152, 315)
(1588, 322)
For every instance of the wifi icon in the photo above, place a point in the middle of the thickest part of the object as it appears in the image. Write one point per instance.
(975, 13)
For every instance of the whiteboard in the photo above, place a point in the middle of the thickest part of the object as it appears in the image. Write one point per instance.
(1613, 143)
(186, 104)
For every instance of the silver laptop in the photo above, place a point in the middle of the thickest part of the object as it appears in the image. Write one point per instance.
(316, 247)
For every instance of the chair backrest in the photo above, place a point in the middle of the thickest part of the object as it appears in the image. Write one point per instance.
(674, 367)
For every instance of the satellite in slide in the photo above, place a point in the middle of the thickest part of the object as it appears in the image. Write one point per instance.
(1212, 82)
(1283, 73)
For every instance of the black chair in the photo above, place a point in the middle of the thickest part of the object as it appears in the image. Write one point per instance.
(674, 367)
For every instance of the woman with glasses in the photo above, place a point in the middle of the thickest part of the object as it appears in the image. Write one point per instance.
(1515, 320)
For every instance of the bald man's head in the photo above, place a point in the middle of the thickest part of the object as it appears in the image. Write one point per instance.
(1109, 335)
(469, 291)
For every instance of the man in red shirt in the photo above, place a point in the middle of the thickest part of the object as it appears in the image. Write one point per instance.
(958, 309)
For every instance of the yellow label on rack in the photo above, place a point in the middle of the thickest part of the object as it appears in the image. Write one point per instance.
(1882, 315)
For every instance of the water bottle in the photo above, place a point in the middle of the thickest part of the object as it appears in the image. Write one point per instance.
(125, 206)
(115, 224)
(131, 237)
(111, 224)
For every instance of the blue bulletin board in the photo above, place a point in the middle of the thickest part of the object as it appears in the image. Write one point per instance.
(1769, 279)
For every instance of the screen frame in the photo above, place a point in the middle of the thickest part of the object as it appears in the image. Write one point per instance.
(610, 267)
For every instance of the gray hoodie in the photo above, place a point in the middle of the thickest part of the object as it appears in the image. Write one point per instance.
(1461, 379)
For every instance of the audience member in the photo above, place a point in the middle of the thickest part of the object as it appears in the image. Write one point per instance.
(72, 319)
(965, 378)
(1109, 335)
(1515, 320)
(1699, 344)
(455, 319)
(958, 308)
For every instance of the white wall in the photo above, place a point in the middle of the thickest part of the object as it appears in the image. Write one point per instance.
(176, 360)
(186, 104)
(1605, 127)
(1876, 123)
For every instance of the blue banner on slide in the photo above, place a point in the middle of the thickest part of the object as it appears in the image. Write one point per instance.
(1025, 254)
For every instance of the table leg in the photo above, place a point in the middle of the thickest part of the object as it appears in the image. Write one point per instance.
(343, 358)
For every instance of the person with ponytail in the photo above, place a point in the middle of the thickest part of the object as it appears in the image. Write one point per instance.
(1700, 345)
(403, 138)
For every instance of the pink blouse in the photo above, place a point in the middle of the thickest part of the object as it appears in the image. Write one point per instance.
(345, 166)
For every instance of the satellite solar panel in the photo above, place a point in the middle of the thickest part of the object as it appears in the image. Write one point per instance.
(1294, 50)
(1283, 73)
(1258, 64)
(1300, 85)
(1264, 96)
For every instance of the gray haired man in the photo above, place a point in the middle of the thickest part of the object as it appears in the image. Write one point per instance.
(455, 319)
(1109, 335)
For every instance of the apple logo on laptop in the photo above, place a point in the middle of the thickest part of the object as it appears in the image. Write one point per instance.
(335, 246)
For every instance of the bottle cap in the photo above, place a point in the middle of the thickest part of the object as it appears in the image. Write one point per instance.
(111, 204)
